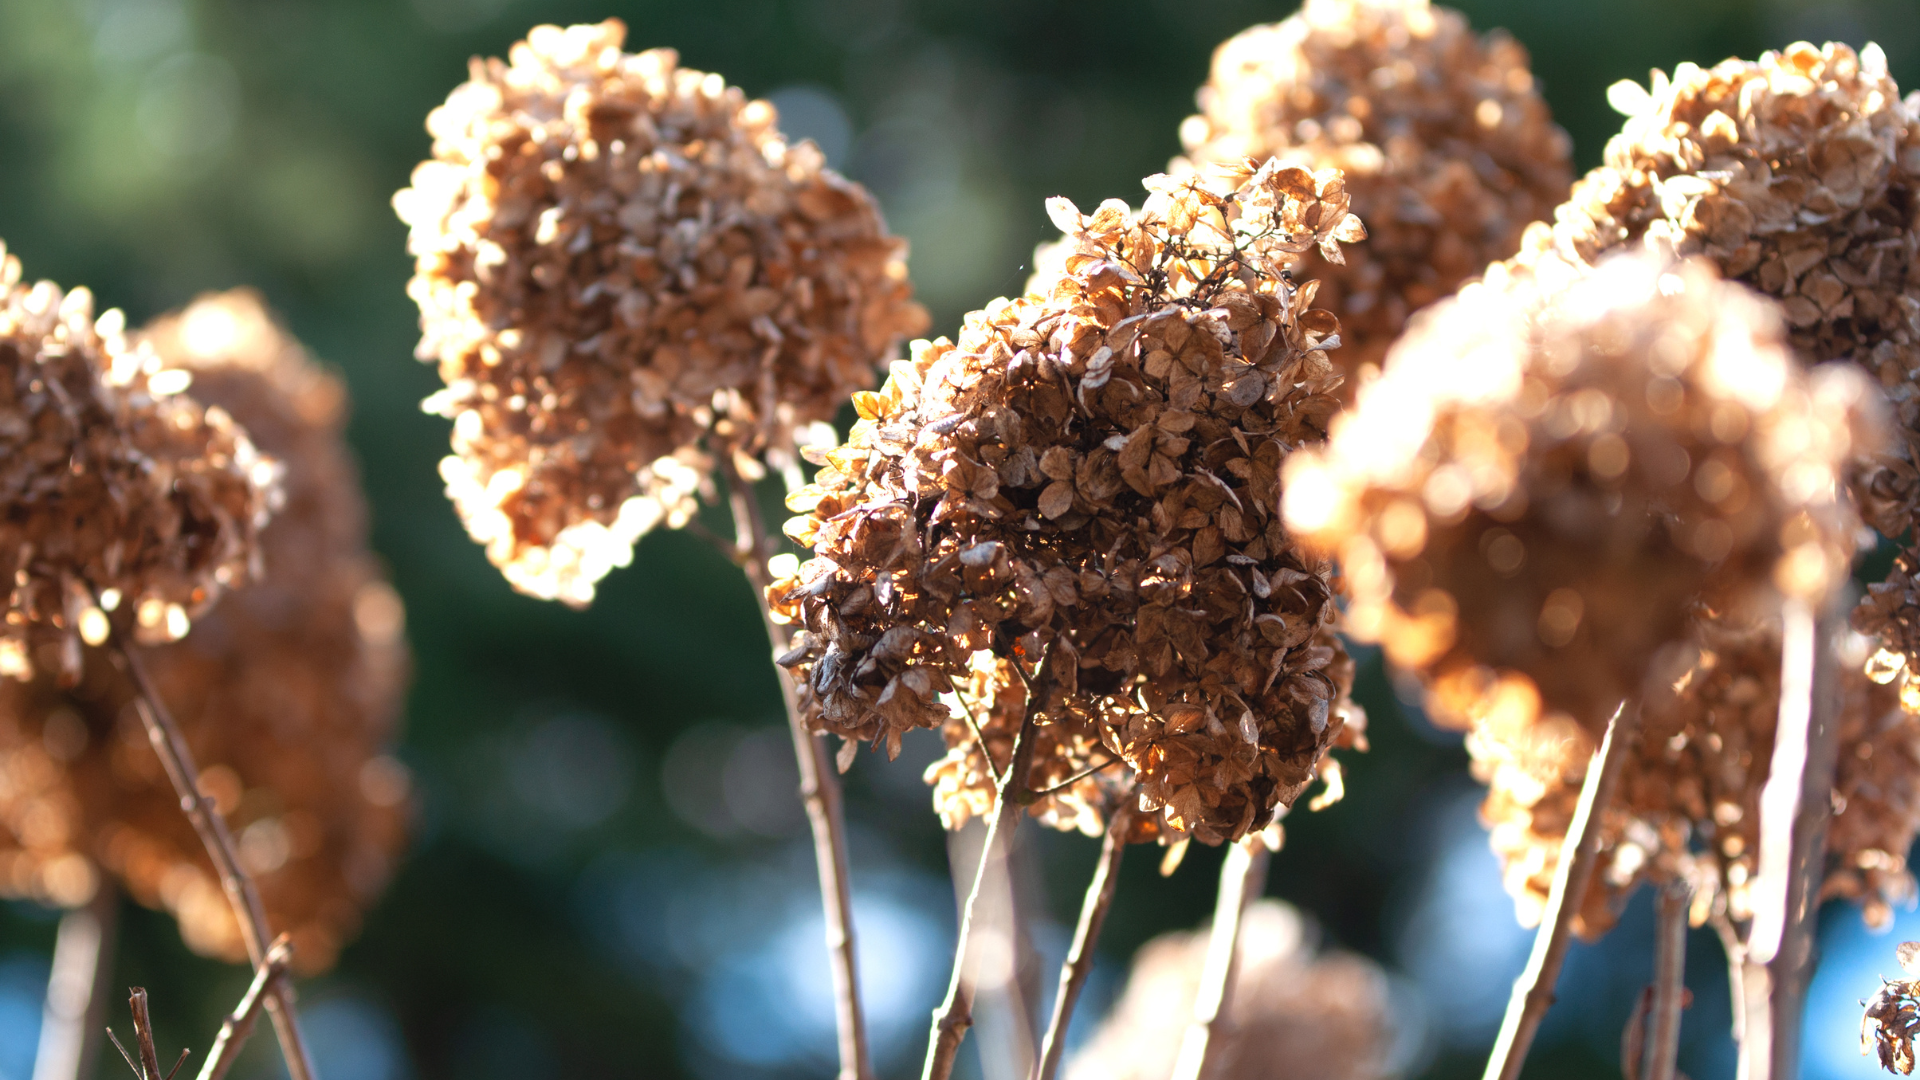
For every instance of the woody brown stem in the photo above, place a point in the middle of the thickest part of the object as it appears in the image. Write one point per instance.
(1243, 877)
(1795, 805)
(143, 1034)
(214, 835)
(819, 791)
(1533, 990)
(955, 1014)
(1093, 915)
(76, 1002)
(1669, 980)
(238, 1025)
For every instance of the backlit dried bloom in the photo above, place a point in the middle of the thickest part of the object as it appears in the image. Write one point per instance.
(1547, 473)
(287, 692)
(1294, 1011)
(1892, 1016)
(1796, 174)
(114, 485)
(625, 273)
(1689, 803)
(1088, 481)
(1448, 149)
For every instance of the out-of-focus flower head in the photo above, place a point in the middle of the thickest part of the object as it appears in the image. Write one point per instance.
(117, 488)
(1089, 480)
(1448, 149)
(1798, 175)
(1294, 1010)
(1689, 803)
(288, 692)
(625, 273)
(1552, 467)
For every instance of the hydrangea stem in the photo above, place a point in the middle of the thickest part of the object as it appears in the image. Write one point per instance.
(1795, 806)
(955, 1014)
(1243, 877)
(1669, 980)
(1533, 990)
(76, 1003)
(207, 821)
(819, 792)
(1093, 914)
(238, 1026)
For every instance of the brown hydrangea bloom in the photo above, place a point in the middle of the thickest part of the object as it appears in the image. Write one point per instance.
(1689, 803)
(1797, 174)
(1448, 149)
(1295, 1010)
(1547, 473)
(625, 272)
(1089, 480)
(1892, 1016)
(114, 485)
(287, 692)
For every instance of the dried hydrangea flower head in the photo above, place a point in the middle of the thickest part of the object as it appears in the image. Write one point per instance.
(1796, 174)
(287, 692)
(1294, 1011)
(1548, 471)
(1892, 1016)
(115, 486)
(1088, 480)
(625, 273)
(1448, 149)
(1689, 801)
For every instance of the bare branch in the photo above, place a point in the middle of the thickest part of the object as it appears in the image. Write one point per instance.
(207, 821)
(238, 1025)
(1533, 990)
(1669, 980)
(1243, 877)
(143, 1034)
(77, 995)
(1093, 915)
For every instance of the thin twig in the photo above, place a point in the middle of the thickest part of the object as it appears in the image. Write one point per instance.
(143, 1033)
(1243, 877)
(249, 912)
(979, 736)
(76, 1002)
(1533, 990)
(955, 1014)
(1633, 1040)
(1074, 779)
(238, 1025)
(1795, 805)
(819, 791)
(1093, 914)
(1669, 980)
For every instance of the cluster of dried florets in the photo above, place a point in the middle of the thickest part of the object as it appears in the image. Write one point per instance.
(1796, 174)
(1892, 1017)
(287, 692)
(1293, 1011)
(1550, 470)
(1448, 150)
(1089, 481)
(626, 274)
(1688, 806)
(118, 490)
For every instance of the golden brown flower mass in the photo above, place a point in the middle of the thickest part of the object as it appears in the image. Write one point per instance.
(1088, 481)
(626, 274)
(1554, 465)
(287, 692)
(1448, 149)
(116, 488)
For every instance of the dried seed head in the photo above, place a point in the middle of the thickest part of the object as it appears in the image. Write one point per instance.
(115, 485)
(1689, 803)
(1548, 472)
(1089, 479)
(287, 692)
(1797, 174)
(625, 273)
(1294, 1010)
(1448, 149)
(1892, 1016)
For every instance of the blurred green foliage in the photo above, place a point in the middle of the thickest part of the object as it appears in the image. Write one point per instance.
(153, 149)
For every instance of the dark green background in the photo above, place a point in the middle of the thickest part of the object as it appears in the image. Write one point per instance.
(267, 157)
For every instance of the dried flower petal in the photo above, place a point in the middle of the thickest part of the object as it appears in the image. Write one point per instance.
(625, 274)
